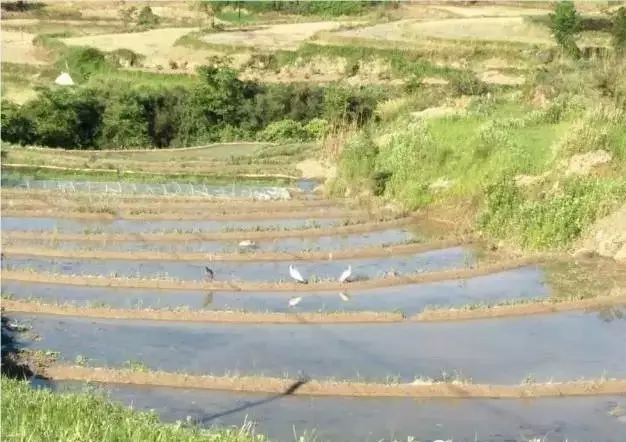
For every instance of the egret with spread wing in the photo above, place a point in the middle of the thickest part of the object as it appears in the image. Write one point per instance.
(295, 274)
(345, 276)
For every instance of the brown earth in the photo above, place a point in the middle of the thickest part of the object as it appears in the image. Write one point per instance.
(213, 236)
(242, 286)
(364, 252)
(51, 197)
(332, 388)
(177, 216)
(226, 317)
(230, 170)
(65, 201)
(526, 309)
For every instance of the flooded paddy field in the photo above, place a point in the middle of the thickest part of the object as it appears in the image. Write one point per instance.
(483, 351)
(279, 417)
(143, 226)
(324, 243)
(524, 283)
(518, 352)
(370, 268)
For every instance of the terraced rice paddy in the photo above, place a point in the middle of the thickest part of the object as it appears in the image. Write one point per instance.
(541, 326)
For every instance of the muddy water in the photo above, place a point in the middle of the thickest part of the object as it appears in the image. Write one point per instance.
(351, 419)
(526, 282)
(561, 347)
(136, 226)
(455, 257)
(330, 243)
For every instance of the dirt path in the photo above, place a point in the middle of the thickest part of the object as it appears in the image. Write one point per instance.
(523, 309)
(363, 317)
(17, 47)
(57, 198)
(356, 253)
(221, 317)
(212, 236)
(98, 213)
(231, 286)
(332, 388)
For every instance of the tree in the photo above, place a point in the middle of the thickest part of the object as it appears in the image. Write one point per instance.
(566, 24)
(619, 31)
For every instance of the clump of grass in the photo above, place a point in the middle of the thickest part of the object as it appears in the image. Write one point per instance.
(30, 414)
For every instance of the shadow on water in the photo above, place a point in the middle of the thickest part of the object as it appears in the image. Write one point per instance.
(288, 392)
(12, 367)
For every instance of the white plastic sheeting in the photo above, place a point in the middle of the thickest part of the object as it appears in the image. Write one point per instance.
(64, 80)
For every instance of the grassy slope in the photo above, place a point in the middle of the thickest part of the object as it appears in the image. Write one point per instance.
(482, 151)
(41, 415)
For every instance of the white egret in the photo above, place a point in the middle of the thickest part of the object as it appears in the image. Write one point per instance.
(247, 243)
(346, 274)
(295, 274)
(295, 301)
(344, 296)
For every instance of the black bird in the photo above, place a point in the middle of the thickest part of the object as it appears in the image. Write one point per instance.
(208, 274)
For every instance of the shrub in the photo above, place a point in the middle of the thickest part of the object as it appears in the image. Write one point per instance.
(16, 127)
(284, 130)
(112, 113)
(85, 61)
(317, 128)
(147, 18)
(566, 24)
(618, 31)
(65, 118)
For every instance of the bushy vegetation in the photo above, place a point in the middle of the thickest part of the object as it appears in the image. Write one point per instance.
(566, 24)
(474, 157)
(322, 8)
(215, 107)
(42, 415)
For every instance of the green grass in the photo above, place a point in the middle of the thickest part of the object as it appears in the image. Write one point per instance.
(480, 152)
(41, 415)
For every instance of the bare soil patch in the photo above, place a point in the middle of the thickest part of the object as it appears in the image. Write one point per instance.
(364, 252)
(495, 77)
(230, 286)
(487, 28)
(332, 388)
(607, 236)
(33, 200)
(157, 45)
(221, 317)
(95, 213)
(315, 169)
(214, 236)
(524, 309)
(17, 47)
(282, 36)
(491, 11)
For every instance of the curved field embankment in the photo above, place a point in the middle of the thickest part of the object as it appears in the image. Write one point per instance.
(268, 234)
(332, 317)
(182, 172)
(364, 252)
(523, 308)
(211, 316)
(260, 384)
(283, 170)
(109, 213)
(239, 286)
(40, 199)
